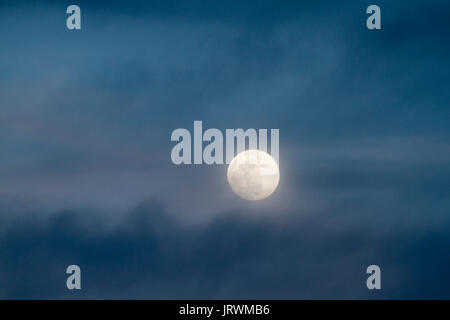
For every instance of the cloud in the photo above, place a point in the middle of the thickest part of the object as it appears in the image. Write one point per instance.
(151, 255)
(86, 119)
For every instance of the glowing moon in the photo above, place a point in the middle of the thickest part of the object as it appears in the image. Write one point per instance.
(253, 175)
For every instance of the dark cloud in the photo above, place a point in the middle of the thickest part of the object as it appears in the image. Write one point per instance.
(150, 255)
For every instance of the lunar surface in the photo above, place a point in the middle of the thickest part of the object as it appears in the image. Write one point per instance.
(253, 175)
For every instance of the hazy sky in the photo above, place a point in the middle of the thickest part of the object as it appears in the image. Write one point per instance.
(85, 170)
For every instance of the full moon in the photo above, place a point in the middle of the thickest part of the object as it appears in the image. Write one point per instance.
(253, 175)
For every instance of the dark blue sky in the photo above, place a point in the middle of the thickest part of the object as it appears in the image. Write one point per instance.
(85, 170)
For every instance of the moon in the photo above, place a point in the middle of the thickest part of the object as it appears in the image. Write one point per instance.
(253, 175)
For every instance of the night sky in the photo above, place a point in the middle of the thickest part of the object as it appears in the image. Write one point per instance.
(86, 176)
